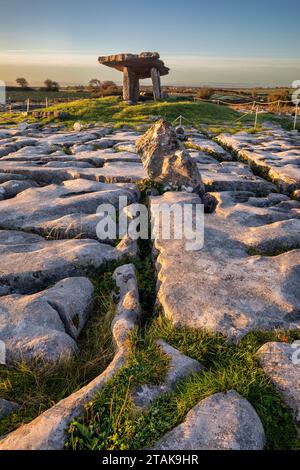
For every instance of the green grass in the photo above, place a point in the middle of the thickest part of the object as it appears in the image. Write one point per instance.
(112, 110)
(39, 96)
(112, 422)
(38, 386)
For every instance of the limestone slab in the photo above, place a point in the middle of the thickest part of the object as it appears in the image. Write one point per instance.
(281, 363)
(224, 421)
(221, 287)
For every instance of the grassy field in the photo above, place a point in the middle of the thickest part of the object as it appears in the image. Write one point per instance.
(112, 110)
(39, 96)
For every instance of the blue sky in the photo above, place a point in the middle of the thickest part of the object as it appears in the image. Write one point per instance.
(203, 42)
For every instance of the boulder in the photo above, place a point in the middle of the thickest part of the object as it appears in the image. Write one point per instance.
(7, 407)
(165, 158)
(44, 325)
(281, 363)
(224, 421)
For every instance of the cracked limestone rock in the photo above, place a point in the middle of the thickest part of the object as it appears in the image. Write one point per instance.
(165, 158)
(223, 421)
(45, 325)
(281, 363)
(180, 367)
(48, 431)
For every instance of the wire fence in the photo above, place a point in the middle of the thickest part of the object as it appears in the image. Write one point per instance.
(293, 108)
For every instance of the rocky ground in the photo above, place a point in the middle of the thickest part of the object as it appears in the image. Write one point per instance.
(245, 279)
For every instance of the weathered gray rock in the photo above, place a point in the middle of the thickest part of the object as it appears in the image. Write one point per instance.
(60, 209)
(44, 325)
(296, 194)
(232, 176)
(180, 368)
(224, 421)
(48, 431)
(221, 287)
(281, 363)
(28, 262)
(165, 158)
(13, 187)
(4, 177)
(7, 407)
(274, 152)
(125, 147)
(76, 225)
(119, 171)
(209, 146)
(128, 309)
(273, 238)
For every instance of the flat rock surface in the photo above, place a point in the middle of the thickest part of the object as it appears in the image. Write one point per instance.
(13, 187)
(222, 287)
(164, 158)
(275, 152)
(63, 208)
(201, 142)
(224, 421)
(49, 430)
(232, 176)
(281, 363)
(29, 262)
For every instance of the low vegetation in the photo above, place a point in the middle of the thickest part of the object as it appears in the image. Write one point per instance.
(112, 110)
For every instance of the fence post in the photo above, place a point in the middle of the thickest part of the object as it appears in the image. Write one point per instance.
(46, 101)
(256, 114)
(295, 120)
(253, 106)
(28, 105)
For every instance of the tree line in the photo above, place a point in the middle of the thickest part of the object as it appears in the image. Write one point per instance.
(49, 85)
(95, 86)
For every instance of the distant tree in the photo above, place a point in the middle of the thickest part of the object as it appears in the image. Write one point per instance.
(205, 93)
(22, 82)
(94, 84)
(51, 85)
(105, 88)
(109, 86)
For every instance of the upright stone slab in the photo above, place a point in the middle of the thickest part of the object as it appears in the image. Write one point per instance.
(156, 84)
